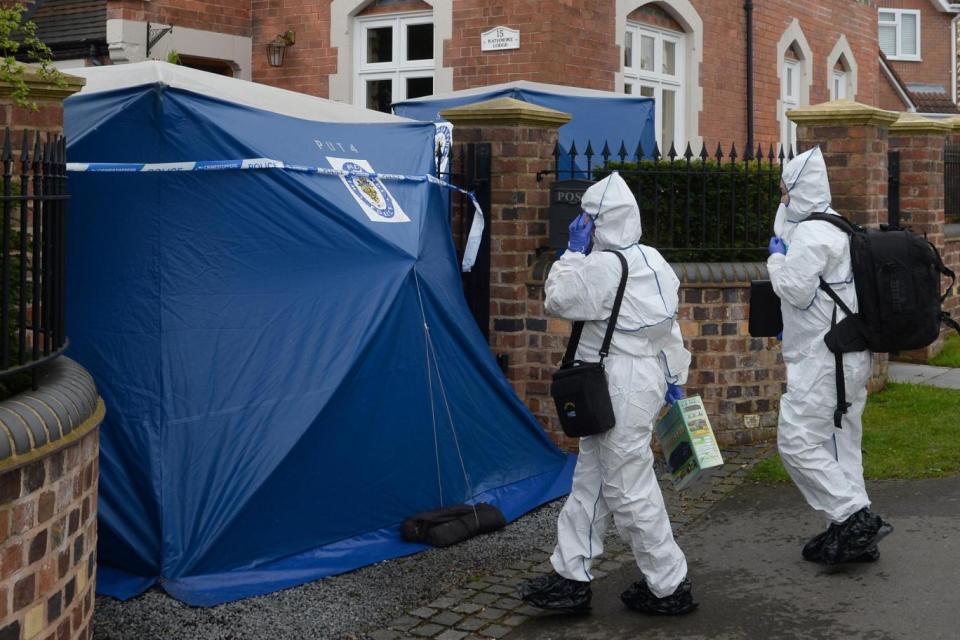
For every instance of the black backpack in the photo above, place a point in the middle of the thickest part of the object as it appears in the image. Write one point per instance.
(897, 278)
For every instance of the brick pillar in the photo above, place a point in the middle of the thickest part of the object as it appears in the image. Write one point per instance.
(522, 138)
(921, 143)
(854, 141)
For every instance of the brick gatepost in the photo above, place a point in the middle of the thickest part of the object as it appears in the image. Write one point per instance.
(921, 143)
(522, 138)
(854, 139)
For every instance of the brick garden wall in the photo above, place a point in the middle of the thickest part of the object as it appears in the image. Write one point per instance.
(48, 538)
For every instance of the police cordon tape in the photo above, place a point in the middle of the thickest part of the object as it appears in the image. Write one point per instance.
(255, 164)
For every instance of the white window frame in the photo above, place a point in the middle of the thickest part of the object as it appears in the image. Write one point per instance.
(657, 80)
(399, 69)
(788, 130)
(839, 80)
(898, 25)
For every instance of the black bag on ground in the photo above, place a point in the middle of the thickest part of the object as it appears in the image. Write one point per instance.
(766, 319)
(450, 525)
(900, 305)
(580, 389)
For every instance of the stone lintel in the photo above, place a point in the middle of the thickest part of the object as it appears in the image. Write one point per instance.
(42, 88)
(842, 112)
(507, 112)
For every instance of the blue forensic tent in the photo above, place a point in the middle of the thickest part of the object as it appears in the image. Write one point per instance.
(597, 117)
(275, 405)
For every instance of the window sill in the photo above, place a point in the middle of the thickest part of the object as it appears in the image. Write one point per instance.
(904, 59)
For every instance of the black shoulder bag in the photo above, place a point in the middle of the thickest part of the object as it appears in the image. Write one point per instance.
(579, 388)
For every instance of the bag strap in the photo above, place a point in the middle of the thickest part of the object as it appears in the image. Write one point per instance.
(577, 330)
(842, 404)
(836, 220)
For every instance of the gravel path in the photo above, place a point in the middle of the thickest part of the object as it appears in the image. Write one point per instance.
(334, 608)
(352, 605)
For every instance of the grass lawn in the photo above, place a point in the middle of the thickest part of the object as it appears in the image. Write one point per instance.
(950, 356)
(909, 431)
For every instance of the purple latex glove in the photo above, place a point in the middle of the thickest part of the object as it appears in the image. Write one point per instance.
(776, 246)
(674, 393)
(581, 232)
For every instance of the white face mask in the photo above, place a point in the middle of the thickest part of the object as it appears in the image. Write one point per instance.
(779, 222)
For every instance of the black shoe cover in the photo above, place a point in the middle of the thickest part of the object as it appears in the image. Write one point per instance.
(639, 598)
(556, 593)
(854, 540)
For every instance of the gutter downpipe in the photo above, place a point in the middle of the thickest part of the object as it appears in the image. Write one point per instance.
(748, 7)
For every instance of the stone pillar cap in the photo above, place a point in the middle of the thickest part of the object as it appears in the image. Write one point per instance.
(505, 112)
(842, 112)
(916, 123)
(954, 123)
(43, 88)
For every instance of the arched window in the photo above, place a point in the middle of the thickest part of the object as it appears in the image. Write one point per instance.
(842, 71)
(662, 46)
(795, 67)
(389, 50)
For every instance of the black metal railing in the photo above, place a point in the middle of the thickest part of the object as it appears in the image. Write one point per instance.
(711, 207)
(951, 182)
(32, 319)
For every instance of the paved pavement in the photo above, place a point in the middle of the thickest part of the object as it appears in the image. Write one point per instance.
(943, 377)
(751, 582)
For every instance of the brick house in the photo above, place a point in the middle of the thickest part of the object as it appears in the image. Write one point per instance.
(691, 55)
(918, 65)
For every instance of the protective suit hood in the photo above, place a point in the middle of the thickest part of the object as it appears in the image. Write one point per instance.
(809, 189)
(615, 212)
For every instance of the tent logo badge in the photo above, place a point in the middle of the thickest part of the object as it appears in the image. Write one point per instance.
(570, 409)
(368, 192)
(373, 193)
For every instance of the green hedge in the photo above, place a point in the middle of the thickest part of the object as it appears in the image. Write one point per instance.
(746, 195)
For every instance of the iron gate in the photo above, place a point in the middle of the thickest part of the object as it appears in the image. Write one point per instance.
(469, 168)
(951, 182)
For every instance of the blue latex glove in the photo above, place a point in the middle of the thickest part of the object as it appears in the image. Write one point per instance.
(780, 336)
(674, 393)
(581, 232)
(776, 246)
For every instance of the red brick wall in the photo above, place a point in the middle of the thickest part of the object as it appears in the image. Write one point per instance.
(48, 538)
(887, 96)
(307, 64)
(222, 16)
(935, 67)
(562, 42)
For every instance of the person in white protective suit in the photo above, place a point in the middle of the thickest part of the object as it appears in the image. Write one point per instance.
(824, 462)
(614, 477)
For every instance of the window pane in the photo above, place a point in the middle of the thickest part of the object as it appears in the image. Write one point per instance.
(647, 46)
(628, 49)
(888, 16)
(380, 44)
(628, 89)
(646, 92)
(419, 42)
(668, 107)
(888, 40)
(670, 58)
(379, 95)
(419, 87)
(908, 34)
(789, 70)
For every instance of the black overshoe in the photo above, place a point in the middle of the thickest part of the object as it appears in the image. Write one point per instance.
(556, 593)
(639, 598)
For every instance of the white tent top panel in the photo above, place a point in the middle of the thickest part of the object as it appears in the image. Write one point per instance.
(243, 92)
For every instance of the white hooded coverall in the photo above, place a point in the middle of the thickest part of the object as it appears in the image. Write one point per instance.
(825, 463)
(614, 477)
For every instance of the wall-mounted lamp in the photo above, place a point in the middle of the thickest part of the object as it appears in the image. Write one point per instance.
(278, 45)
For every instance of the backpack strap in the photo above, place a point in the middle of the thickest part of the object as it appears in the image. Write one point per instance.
(577, 330)
(842, 404)
(836, 220)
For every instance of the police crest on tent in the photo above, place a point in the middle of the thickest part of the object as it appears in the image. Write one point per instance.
(370, 193)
